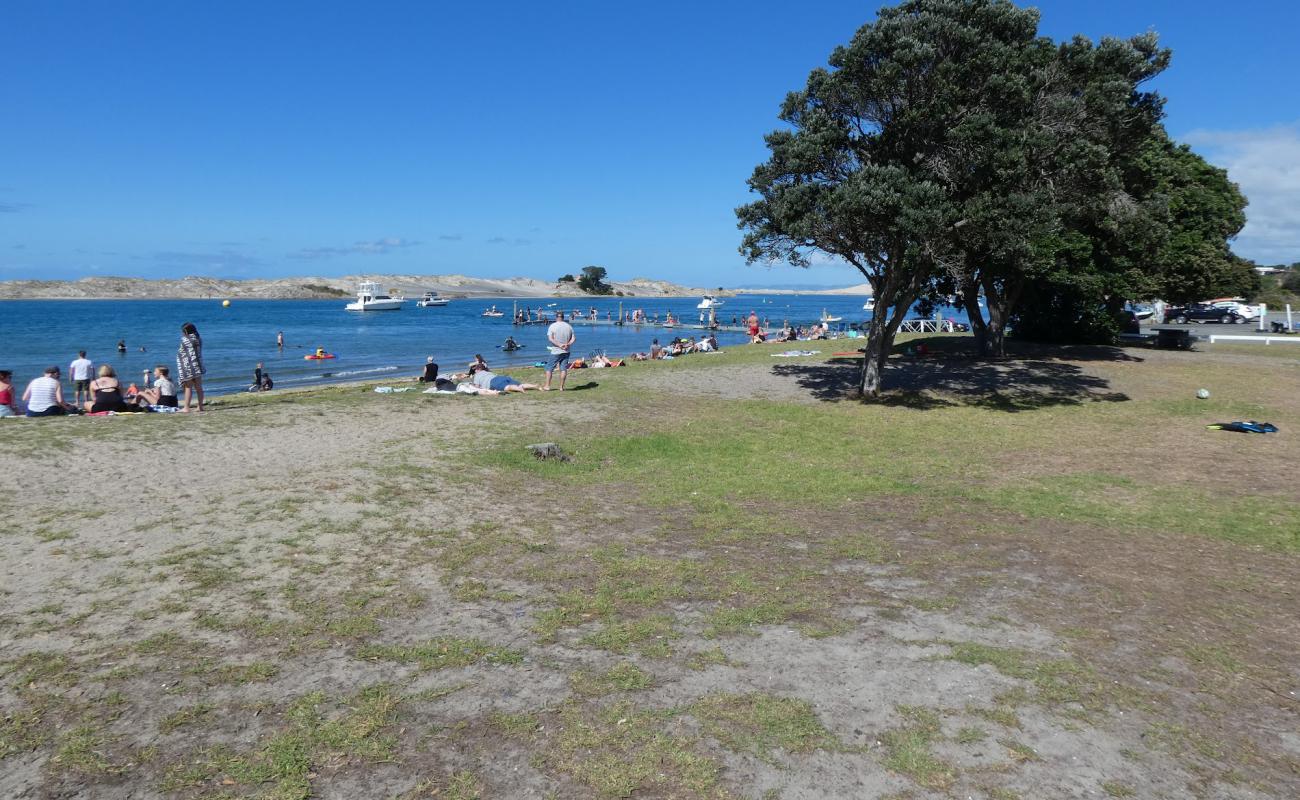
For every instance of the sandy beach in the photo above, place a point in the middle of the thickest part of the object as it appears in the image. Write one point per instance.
(739, 587)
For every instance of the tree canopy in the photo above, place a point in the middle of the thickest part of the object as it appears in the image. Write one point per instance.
(952, 153)
(863, 171)
(592, 281)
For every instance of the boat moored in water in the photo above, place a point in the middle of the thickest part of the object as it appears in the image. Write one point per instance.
(431, 299)
(371, 298)
(709, 301)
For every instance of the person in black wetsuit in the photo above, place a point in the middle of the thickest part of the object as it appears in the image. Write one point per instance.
(430, 372)
(510, 345)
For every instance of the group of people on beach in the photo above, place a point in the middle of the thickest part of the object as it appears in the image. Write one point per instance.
(678, 346)
(98, 391)
(478, 377)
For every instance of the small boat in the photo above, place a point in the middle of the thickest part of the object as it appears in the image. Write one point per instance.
(828, 318)
(371, 298)
(870, 305)
(709, 301)
(318, 356)
(493, 312)
(432, 299)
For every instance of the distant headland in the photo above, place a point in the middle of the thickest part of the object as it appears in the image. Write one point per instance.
(305, 288)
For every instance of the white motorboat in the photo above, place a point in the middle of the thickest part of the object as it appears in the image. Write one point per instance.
(709, 301)
(371, 298)
(432, 299)
(493, 312)
(870, 305)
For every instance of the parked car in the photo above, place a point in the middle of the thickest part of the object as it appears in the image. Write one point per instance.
(1202, 313)
(1240, 309)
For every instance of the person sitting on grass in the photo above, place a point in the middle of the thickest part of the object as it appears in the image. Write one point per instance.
(656, 350)
(107, 393)
(44, 395)
(496, 384)
(430, 374)
(163, 391)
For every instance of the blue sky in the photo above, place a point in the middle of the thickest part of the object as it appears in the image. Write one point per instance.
(246, 139)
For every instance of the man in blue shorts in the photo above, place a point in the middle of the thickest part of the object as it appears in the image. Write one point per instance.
(560, 338)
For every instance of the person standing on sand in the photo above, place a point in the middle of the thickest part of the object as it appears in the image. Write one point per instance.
(560, 335)
(82, 370)
(189, 365)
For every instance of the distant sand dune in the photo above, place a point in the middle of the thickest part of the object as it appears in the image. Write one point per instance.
(306, 287)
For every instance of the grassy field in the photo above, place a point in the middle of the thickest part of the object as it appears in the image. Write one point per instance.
(1035, 578)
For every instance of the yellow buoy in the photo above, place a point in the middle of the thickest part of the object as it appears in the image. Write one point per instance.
(225, 304)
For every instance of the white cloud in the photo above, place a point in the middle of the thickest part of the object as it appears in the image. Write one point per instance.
(1265, 162)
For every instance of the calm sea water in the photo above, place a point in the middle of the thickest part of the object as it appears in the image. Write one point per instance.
(35, 334)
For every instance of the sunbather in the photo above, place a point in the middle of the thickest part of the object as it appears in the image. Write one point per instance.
(496, 384)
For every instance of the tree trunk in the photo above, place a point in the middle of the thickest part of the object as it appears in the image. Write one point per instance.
(1000, 302)
(873, 363)
(885, 321)
(970, 300)
(995, 334)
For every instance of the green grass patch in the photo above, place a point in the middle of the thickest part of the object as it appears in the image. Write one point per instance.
(316, 730)
(516, 725)
(908, 749)
(443, 652)
(823, 456)
(619, 751)
(651, 636)
(761, 724)
(186, 717)
(625, 677)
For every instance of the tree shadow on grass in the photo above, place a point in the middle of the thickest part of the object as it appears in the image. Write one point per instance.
(1012, 384)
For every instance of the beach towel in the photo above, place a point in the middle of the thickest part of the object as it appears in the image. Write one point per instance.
(796, 353)
(439, 391)
(1244, 427)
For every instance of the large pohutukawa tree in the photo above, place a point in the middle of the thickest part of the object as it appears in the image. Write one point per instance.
(1168, 236)
(875, 144)
(1047, 172)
